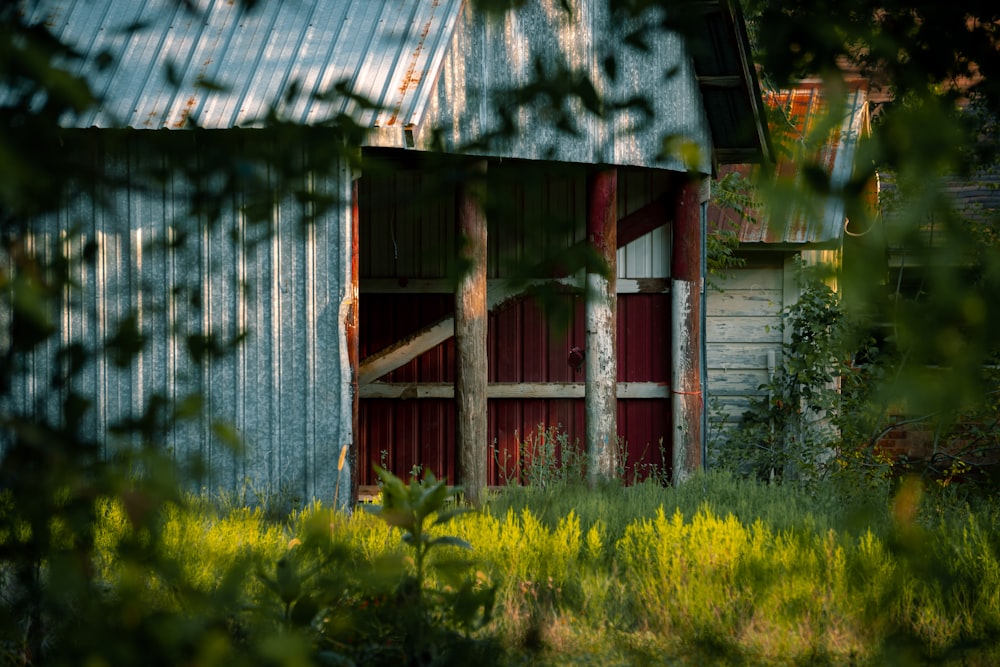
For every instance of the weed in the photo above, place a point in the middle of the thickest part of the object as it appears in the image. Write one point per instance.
(717, 570)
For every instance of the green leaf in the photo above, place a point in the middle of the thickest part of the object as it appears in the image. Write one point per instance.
(450, 541)
(189, 407)
(431, 499)
(448, 515)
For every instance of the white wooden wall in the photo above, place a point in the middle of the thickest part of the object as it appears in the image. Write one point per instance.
(743, 320)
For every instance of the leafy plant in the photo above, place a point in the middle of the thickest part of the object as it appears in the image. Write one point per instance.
(795, 429)
(409, 506)
(438, 621)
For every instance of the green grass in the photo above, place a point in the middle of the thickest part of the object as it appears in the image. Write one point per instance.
(717, 571)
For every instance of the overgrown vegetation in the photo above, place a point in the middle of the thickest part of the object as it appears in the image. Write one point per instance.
(717, 570)
(825, 412)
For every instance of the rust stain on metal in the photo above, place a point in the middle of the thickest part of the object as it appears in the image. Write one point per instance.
(186, 112)
(411, 77)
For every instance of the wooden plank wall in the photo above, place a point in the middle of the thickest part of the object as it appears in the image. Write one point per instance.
(743, 319)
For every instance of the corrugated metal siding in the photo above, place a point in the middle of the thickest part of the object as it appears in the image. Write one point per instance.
(540, 206)
(521, 349)
(389, 52)
(805, 109)
(491, 56)
(286, 389)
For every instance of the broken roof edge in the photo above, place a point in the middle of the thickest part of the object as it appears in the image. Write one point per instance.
(751, 76)
(825, 224)
(762, 150)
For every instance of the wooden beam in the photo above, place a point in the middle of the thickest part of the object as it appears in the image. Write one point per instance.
(501, 285)
(541, 390)
(642, 221)
(600, 406)
(470, 337)
(401, 352)
(686, 293)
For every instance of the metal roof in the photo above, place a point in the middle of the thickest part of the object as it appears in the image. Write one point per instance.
(804, 112)
(224, 65)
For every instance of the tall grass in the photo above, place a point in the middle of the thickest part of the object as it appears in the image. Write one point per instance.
(715, 571)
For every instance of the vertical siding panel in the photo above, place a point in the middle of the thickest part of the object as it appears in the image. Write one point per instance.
(333, 293)
(272, 389)
(261, 361)
(294, 396)
(245, 371)
(83, 326)
(97, 300)
(313, 255)
(118, 380)
(406, 436)
(223, 386)
(406, 230)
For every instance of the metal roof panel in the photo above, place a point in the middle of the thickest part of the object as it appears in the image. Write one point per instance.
(227, 66)
(807, 222)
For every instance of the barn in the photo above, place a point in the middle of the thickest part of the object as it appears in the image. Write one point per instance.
(455, 262)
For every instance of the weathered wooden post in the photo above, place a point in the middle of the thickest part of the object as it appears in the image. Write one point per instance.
(686, 272)
(353, 349)
(600, 401)
(470, 336)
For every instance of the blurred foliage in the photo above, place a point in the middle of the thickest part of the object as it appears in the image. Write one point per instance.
(929, 65)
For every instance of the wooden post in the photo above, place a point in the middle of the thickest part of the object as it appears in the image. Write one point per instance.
(686, 271)
(600, 401)
(470, 337)
(353, 355)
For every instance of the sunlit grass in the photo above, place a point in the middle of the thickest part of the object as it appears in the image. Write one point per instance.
(717, 571)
